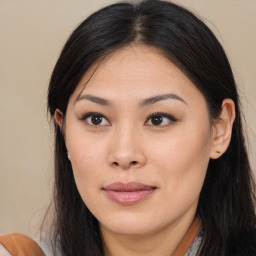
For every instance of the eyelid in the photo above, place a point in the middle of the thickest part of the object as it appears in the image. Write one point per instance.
(90, 114)
(165, 115)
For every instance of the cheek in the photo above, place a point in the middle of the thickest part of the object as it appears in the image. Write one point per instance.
(84, 156)
(87, 156)
(86, 149)
(182, 158)
(87, 159)
(182, 170)
(180, 149)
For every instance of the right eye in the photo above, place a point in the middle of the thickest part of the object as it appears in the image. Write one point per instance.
(95, 119)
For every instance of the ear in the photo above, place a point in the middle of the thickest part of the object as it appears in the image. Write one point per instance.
(222, 129)
(59, 119)
(58, 116)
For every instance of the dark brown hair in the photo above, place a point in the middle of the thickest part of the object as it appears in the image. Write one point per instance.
(226, 203)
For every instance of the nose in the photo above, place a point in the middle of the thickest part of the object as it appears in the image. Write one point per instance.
(126, 149)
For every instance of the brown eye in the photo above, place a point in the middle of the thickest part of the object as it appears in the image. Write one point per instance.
(156, 120)
(160, 120)
(95, 119)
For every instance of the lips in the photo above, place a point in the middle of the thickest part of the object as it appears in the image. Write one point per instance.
(128, 193)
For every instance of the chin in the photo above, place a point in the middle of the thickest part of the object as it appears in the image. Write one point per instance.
(128, 230)
(129, 225)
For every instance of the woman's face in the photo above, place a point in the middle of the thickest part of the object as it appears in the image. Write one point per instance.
(139, 137)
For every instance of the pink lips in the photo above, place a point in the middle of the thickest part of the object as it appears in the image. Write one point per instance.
(128, 193)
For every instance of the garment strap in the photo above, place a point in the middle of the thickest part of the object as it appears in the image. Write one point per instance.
(188, 238)
(20, 245)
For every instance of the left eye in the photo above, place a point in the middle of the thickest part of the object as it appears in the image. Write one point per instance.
(95, 119)
(160, 119)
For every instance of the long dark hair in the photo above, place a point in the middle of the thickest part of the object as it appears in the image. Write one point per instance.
(226, 203)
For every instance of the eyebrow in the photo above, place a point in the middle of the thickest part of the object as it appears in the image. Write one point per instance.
(94, 99)
(143, 103)
(157, 98)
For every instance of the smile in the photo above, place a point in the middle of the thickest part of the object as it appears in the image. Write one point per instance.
(128, 193)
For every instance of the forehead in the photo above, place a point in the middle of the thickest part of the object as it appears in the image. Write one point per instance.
(135, 70)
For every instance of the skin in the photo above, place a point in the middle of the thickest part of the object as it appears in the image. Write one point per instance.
(126, 145)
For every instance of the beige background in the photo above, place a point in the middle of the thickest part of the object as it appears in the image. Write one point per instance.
(32, 35)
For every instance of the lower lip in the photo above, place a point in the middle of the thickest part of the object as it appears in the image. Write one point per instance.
(128, 198)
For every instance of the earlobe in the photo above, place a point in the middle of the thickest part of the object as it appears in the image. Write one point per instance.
(222, 129)
(58, 116)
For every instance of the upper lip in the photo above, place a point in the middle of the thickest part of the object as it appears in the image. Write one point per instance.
(128, 187)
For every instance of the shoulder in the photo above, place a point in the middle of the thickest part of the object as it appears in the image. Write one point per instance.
(19, 244)
(3, 251)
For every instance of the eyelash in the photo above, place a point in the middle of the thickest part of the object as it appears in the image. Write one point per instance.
(171, 118)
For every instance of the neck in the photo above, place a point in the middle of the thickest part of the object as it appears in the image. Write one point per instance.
(162, 242)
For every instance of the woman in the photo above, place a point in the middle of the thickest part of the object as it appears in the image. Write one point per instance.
(150, 156)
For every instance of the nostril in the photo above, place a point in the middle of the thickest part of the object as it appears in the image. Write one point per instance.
(131, 163)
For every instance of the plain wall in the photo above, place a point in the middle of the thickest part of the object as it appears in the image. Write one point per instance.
(32, 35)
